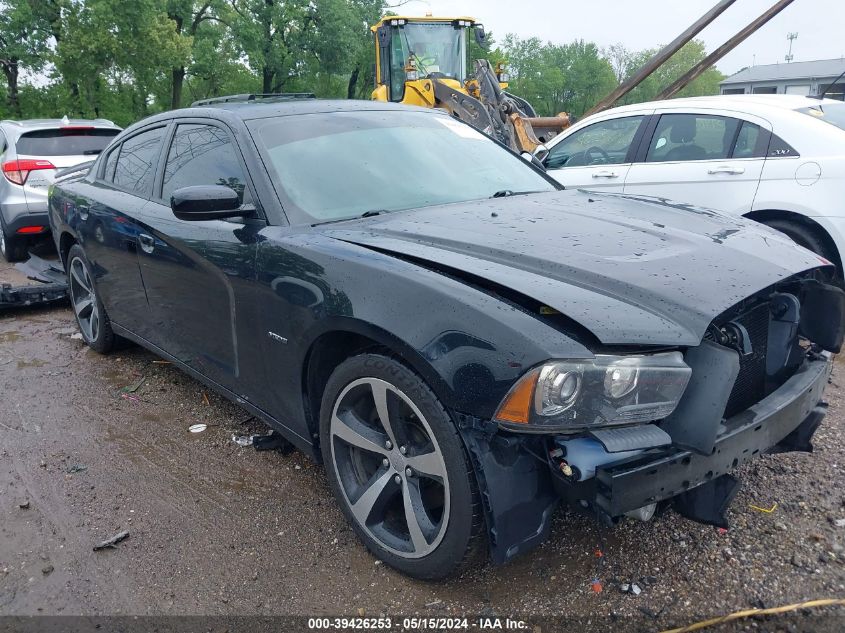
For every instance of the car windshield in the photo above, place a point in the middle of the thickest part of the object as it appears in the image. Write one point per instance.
(340, 165)
(69, 141)
(830, 113)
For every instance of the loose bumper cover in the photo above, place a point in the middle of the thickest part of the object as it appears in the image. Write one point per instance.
(520, 485)
(649, 478)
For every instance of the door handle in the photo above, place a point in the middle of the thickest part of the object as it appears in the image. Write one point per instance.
(726, 169)
(605, 174)
(147, 242)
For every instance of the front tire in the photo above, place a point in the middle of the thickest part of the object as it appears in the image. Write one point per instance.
(398, 468)
(91, 316)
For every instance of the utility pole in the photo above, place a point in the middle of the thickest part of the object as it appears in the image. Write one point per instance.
(724, 49)
(660, 57)
(791, 37)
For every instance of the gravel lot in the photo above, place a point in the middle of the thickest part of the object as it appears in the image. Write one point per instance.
(221, 529)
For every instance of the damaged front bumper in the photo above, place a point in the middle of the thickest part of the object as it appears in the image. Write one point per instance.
(655, 476)
(521, 486)
(49, 287)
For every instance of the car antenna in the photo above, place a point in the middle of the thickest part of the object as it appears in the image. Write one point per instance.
(829, 86)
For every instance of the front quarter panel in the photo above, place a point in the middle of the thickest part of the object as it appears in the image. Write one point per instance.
(469, 345)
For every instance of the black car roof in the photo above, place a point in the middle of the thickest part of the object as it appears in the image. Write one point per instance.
(246, 111)
(305, 106)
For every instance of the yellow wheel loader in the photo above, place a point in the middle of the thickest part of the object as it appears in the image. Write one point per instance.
(424, 62)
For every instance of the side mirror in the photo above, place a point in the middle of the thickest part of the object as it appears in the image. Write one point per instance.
(528, 157)
(540, 152)
(205, 202)
(480, 35)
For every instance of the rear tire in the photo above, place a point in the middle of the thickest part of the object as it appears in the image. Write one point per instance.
(406, 486)
(91, 316)
(12, 247)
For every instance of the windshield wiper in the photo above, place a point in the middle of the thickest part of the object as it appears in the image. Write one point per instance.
(507, 193)
(365, 214)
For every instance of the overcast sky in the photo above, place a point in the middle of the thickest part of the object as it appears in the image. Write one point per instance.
(640, 24)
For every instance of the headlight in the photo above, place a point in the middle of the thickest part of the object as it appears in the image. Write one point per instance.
(573, 395)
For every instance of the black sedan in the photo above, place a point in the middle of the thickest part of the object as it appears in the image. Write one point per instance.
(461, 343)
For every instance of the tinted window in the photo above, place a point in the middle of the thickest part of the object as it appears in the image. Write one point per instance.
(332, 166)
(750, 142)
(136, 163)
(603, 143)
(65, 142)
(780, 148)
(202, 155)
(692, 137)
(111, 161)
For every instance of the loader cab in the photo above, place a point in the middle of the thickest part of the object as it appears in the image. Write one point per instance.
(410, 51)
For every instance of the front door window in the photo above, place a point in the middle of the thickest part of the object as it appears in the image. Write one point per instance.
(603, 143)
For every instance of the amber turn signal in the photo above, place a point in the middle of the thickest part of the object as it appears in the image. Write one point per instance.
(516, 407)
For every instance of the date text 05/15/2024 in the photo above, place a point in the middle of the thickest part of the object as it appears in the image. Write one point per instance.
(416, 624)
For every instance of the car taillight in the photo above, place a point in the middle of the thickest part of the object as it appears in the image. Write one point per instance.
(17, 171)
(31, 230)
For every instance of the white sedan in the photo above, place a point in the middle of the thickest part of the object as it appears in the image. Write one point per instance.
(777, 159)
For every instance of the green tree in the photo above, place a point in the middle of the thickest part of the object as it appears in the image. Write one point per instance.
(188, 17)
(558, 78)
(361, 52)
(271, 34)
(692, 53)
(22, 47)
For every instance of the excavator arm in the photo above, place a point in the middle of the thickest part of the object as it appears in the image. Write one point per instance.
(507, 118)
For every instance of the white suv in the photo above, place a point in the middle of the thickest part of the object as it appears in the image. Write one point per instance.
(32, 151)
(777, 159)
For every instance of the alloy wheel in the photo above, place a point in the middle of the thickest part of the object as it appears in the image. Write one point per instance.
(84, 300)
(390, 467)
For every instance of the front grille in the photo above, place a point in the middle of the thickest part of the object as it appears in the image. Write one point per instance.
(750, 385)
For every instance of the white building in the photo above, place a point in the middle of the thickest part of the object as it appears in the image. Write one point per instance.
(800, 78)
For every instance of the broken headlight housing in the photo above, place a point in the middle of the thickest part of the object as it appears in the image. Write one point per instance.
(573, 395)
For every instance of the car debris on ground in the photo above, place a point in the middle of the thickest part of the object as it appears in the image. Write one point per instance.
(111, 543)
(48, 287)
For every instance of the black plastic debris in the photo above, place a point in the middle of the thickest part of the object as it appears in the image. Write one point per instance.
(708, 502)
(801, 439)
(271, 442)
(50, 287)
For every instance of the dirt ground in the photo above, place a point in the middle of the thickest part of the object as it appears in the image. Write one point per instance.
(221, 529)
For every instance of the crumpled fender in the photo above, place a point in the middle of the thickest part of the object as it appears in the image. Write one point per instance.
(515, 486)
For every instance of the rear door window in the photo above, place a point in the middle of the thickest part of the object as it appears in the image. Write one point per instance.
(682, 137)
(111, 161)
(136, 163)
(750, 142)
(202, 155)
(65, 142)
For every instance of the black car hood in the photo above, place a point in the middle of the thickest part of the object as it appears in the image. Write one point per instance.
(630, 270)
